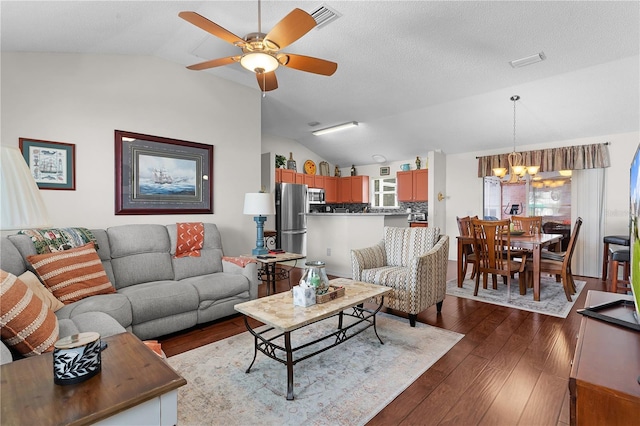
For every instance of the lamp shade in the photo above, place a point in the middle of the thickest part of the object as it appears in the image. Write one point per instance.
(21, 203)
(259, 204)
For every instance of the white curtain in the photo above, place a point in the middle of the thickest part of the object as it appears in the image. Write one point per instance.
(587, 201)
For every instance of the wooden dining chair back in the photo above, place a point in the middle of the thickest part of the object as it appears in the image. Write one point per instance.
(468, 257)
(529, 224)
(559, 264)
(492, 245)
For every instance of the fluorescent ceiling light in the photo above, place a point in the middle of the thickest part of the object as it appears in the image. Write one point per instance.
(522, 62)
(342, 126)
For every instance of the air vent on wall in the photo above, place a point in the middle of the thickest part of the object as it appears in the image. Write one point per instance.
(323, 15)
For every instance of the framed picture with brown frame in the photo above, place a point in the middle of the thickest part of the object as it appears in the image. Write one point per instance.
(52, 164)
(158, 175)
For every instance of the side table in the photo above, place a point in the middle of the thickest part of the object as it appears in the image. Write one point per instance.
(135, 386)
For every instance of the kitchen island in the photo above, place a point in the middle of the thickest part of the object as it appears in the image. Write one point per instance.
(331, 236)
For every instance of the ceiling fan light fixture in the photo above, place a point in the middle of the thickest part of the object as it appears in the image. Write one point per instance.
(255, 61)
(339, 127)
(379, 158)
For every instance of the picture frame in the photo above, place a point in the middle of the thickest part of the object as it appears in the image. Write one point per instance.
(385, 171)
(158, 175)
(52, 164)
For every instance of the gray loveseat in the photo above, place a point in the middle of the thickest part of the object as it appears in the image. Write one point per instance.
(157, 294)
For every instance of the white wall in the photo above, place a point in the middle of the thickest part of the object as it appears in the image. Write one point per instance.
(82, 99)
(464, 187)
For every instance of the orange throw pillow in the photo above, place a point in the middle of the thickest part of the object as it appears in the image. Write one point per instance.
(73, 274)
(190, 239)
(28, 325)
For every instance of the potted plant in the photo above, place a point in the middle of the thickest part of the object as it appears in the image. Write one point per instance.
(281, 160)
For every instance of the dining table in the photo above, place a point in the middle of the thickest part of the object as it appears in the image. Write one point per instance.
(531, 242)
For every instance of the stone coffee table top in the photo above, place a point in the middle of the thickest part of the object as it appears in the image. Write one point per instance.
(279, 312)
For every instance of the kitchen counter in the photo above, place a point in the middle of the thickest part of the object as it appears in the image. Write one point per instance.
(331, 236)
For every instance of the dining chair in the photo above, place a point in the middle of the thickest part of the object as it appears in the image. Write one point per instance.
(529, 224)
(492, 244)
(469, 257)
(559, 264)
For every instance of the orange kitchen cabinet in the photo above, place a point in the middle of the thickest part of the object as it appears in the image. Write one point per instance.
(285, 176)
(353, 189)
(359, 189)
(413, 185)
(318, 182)
(418, 225)
(309, 180)
(299, 178)
(331, 189)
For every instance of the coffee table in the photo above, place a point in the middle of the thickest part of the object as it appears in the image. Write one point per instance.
(135, 386)
(278, 313)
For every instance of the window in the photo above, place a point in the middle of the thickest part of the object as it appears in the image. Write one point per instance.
(384, 193)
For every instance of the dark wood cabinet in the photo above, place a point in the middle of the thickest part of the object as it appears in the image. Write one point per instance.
(603, 384)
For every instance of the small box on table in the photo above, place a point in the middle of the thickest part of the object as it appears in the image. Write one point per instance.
(304, 296)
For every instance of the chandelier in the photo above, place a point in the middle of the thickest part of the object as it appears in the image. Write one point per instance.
(517, 168)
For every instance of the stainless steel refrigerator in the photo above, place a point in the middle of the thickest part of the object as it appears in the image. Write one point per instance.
(291, 221)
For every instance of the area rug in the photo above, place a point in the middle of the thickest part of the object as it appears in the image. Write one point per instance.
(346, 385)
(552, 298)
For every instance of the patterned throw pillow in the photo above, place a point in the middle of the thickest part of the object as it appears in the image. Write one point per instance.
(73, 274)
(34, 284)
(28, 326)
(190, 239)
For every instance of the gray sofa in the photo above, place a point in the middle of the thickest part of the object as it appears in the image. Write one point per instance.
(157, 294)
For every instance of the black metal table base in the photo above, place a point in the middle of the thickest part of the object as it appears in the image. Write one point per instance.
(285, 354)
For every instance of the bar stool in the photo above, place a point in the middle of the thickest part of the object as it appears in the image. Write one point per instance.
(619, 240)
(620, 258)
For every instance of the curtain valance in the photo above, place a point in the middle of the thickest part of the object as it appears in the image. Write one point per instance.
(594, 156)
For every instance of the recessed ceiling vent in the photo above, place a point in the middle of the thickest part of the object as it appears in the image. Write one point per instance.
(323, 15)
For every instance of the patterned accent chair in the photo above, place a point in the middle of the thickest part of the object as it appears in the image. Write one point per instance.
(413, 261)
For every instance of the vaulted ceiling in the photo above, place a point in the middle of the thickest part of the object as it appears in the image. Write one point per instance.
(417, 75)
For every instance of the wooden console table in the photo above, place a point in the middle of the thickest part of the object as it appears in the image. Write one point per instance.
(603, 384)
(135, 386)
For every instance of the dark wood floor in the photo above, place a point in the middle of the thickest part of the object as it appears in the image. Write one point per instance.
(511, 368)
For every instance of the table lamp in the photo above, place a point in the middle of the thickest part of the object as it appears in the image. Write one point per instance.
(21, 205)
(259, 204)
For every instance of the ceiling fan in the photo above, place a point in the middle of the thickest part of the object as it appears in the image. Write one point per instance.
(261, 52)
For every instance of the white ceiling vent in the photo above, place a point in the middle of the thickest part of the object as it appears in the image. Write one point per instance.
(323, 15)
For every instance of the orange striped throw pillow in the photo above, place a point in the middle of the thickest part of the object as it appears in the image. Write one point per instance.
(72, 274)
(28, 325)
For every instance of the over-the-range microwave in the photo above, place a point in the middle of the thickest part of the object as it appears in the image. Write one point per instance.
(316, 196)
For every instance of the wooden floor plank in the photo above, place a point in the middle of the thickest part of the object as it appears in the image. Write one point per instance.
(545, 403)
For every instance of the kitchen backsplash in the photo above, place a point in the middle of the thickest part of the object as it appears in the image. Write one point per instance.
(359, 208)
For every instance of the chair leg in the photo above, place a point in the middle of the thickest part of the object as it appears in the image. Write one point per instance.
(605, 261)
(566, 285)
(474, 271)
(475, 290)
(439, 306)
(614, 276)
(412, 319)
(464, 269)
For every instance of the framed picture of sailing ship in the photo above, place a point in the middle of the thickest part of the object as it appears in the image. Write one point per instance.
(52, 164)
(157, 175)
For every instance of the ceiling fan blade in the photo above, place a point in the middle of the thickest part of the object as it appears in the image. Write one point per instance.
(267, 81)
(291, 28)
(212, 28)
(309, 64)
(214, 63)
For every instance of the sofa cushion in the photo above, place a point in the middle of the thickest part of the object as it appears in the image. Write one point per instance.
(10, 258)
(73, 274)
(139, 254)
(403, 244)
(210, 260)
(160, 299)
(219, 286)
(28, 325)
(50, 240)
(34, 284)
(115, 305)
